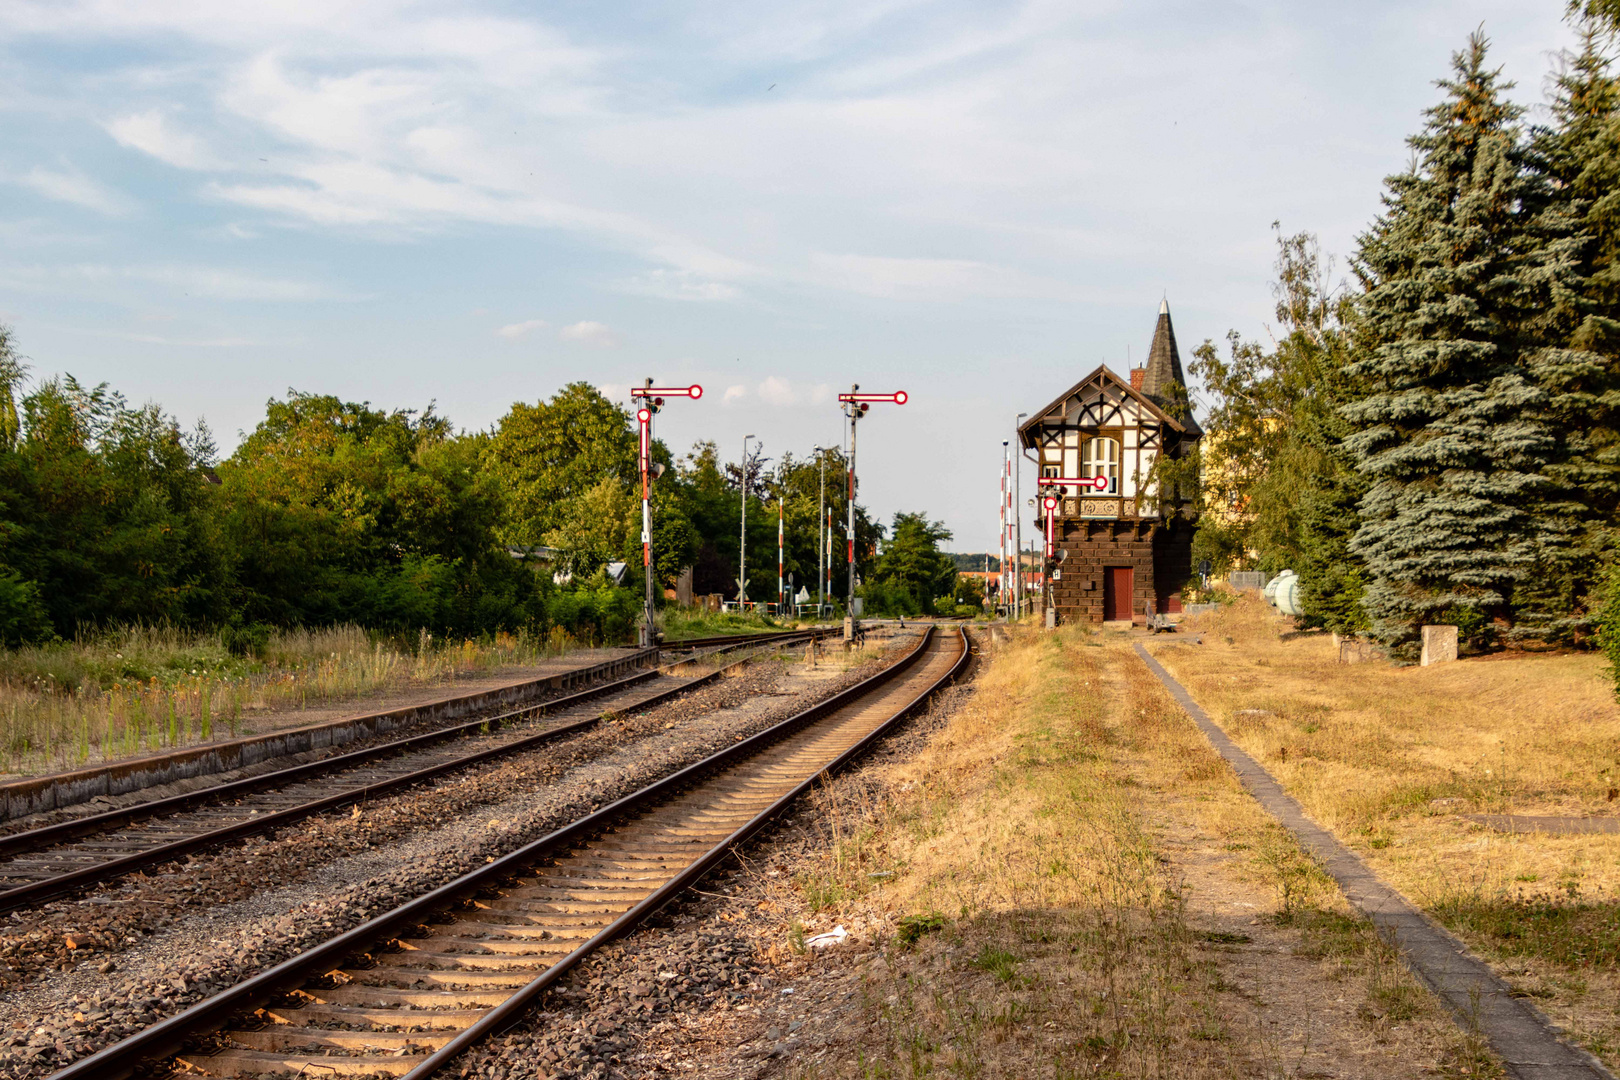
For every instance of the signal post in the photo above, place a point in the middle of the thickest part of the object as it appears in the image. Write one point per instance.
(652, 402)
(1049, 505)
(855, 404)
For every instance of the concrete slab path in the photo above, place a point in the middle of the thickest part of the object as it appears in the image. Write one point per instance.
(1526, 1041)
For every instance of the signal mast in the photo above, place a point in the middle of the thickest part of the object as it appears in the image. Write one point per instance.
(652, 402)
(855, 404)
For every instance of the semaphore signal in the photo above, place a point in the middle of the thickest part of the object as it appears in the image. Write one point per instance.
(652, 398)
(1096, 483)
(855, 406)
(896, 398)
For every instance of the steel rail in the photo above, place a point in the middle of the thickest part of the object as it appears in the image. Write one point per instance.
(168, 1036)
(767, 636)
(512, 1009)
(37, 892)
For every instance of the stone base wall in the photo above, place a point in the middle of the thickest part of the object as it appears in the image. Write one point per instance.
(1160, 558)
(1172, 564)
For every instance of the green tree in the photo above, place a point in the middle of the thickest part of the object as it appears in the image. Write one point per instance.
(912, 571)
(1577, 325)
(1447, 429)
(340, 512)
(108, 511)
(550, 452)
(1286, 484)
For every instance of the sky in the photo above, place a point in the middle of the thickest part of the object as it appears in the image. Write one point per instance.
(472, 204)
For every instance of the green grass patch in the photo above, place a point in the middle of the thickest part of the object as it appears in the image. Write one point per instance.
(1569, 933)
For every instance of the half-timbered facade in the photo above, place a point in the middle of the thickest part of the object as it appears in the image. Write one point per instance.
(1127, 543)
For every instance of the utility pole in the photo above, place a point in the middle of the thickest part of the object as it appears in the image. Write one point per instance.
(652, 401)
(855, 404)
(742, 546)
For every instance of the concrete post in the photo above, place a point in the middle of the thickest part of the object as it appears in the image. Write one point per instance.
(1439, 644)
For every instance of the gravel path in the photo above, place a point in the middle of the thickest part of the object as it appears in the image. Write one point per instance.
(114, 962)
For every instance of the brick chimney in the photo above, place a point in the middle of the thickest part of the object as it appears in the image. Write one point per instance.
(1136, 377)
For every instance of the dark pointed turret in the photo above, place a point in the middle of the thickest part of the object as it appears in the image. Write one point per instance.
(1163, 381)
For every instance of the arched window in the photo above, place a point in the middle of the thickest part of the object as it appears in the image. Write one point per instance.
(1101, 458)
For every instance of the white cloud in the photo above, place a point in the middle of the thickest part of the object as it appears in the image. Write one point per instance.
(777, 391)
(734, 393)
(72, 186)
(514, 331)
(680, 285)
(821, 393)
(593, 334)
(212, 282)
(150, 133)
(931, 279)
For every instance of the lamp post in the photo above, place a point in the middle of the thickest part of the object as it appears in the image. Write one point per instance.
(821, 535)
(742, 546)
(781, 521)
(652, 401)
(855, 404)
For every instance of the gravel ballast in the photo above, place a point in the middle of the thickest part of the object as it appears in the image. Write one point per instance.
(87, 973)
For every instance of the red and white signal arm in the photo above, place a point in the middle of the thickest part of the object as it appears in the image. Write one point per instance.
(1050, 502)
(1095, 483)
(694, 391)
(644, 415)
(897, 398)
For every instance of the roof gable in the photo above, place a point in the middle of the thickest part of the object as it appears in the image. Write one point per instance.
(1103, 375)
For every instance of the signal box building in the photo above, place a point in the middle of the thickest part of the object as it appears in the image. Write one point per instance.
(1128, 543)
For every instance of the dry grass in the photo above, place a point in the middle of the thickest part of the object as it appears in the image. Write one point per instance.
(1041, 928)
(1389, 758)
(134, 690)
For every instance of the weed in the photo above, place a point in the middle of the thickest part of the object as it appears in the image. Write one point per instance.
(911, 928)
(998, 962)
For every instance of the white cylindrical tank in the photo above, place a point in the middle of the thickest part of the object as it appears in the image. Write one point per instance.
(1270, 591)
(1288, 593)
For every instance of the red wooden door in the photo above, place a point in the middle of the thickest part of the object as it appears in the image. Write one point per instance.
(1118, 584)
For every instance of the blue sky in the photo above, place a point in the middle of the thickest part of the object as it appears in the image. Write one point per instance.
(475, 203)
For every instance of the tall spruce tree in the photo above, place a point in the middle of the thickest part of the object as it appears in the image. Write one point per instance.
(1449, 431)
(1577, 325)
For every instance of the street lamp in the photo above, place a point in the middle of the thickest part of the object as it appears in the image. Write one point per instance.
(821, 535)
(855, 405)
(652, 399)
(742, 547)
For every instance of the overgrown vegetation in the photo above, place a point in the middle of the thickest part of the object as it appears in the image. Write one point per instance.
(122, 692)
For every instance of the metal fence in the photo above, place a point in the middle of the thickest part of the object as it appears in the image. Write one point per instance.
(1246, 579)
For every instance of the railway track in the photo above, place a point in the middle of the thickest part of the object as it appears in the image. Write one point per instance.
(61, 859)
(407, 992)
